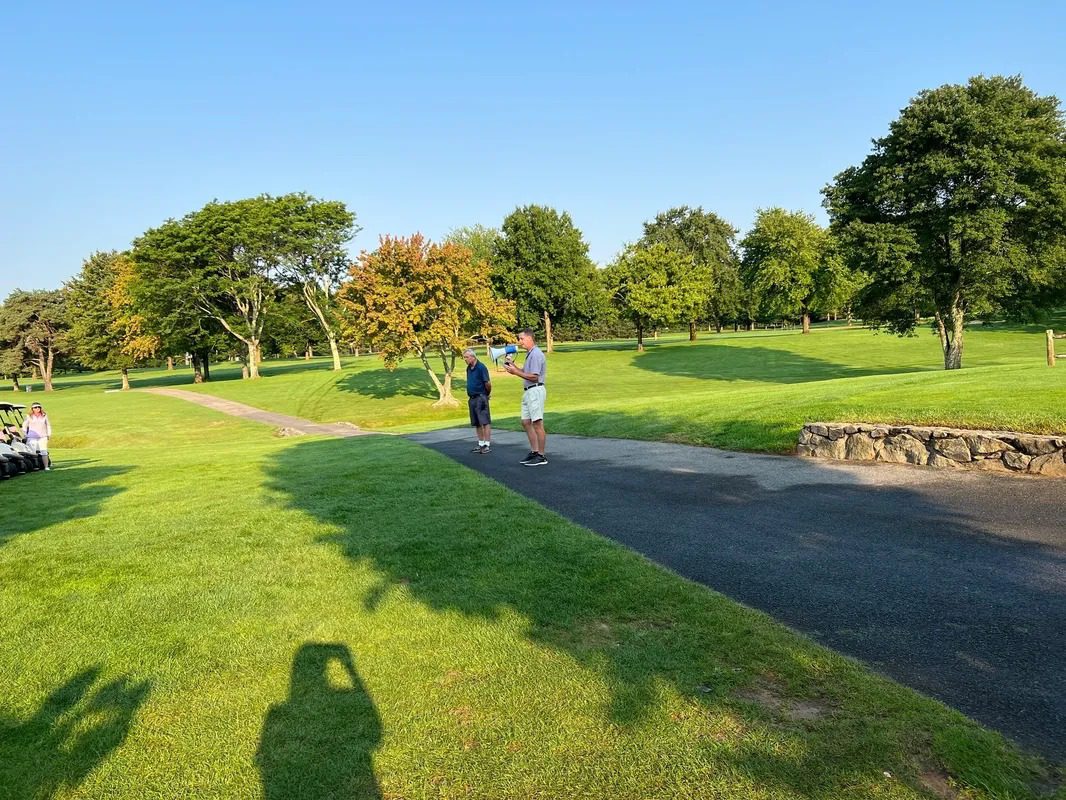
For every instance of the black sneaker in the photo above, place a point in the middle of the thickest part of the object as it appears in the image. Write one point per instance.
(539, 461)
(533, 455)
(485, 450)
(477, 449)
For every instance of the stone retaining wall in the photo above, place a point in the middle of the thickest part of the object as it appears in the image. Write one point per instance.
(945, 448)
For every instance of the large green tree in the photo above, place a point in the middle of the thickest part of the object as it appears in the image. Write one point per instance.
(643, 284)
(106, 332)
(33, 328)
(789, 264)
(711, 289)
(960, 210)
(227, 260)
(541, 263)
(167, 290)
(315, 257)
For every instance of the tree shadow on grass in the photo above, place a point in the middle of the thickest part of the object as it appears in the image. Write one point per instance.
(719, 362)
(382, 384)
(71, 490)
(74, 731)
(319, 742)
(435, 531)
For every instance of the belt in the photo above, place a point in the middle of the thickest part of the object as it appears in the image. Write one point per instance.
(527, 388)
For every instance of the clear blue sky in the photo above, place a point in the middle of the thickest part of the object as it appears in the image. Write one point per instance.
(116, 116)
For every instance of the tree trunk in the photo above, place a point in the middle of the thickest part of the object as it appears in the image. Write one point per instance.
(692, 331)
(205, 358)
(15, 384)
(444, 389)
(335, 352)
(806, 321)
(33, 372)
(445, 399)
(46, 370)
(170, 363)
(253, 359)
(950, 333)
(125, 379)
(307, 353)
(197, 372)
(549, 343)
(640, 338)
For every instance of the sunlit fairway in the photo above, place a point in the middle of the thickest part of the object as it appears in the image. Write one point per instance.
(191, 606)
(747, 391)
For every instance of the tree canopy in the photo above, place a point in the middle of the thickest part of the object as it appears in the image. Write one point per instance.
(315, 257)
(788, 264)
(960, 210)
(541, 263)
(229, 260)
(711, 289)
(106, 332)
(644, 284)
(33, 331)
(416, 297)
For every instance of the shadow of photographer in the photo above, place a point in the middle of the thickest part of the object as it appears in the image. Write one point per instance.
(319, 742)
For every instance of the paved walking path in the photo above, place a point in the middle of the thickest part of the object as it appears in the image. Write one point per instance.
(295, 424)
(952, 583)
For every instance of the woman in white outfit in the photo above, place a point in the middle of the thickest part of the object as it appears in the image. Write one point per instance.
(36, 429)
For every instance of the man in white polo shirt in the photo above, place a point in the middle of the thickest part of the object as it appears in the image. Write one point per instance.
(533, 394)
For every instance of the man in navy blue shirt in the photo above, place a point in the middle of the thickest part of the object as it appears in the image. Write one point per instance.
(478, 389)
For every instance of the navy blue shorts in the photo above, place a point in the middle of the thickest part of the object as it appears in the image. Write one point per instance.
(479, 410)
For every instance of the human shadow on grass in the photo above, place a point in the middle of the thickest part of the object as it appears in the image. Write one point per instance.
(719, 362)
(72, 490)
(458, 544)
(319, 742)
(76, 729)
(382, 384)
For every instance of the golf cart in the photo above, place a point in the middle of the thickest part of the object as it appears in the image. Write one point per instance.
(15, 455)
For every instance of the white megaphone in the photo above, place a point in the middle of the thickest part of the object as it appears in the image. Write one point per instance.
(498, 352)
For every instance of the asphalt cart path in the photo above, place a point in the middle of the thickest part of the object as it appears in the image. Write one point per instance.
(295, 424)
(951, 583)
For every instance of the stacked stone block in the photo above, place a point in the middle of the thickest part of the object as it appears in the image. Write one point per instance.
(944, 448)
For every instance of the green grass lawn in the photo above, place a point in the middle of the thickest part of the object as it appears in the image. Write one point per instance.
(193, 607)
(746, 391)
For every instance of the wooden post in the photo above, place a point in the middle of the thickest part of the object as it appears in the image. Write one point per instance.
(1051, 348)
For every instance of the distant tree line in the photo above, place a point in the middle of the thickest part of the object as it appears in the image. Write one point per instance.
(958, 213)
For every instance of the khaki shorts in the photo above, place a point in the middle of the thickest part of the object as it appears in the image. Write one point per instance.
(38, 445)
(533, 403)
